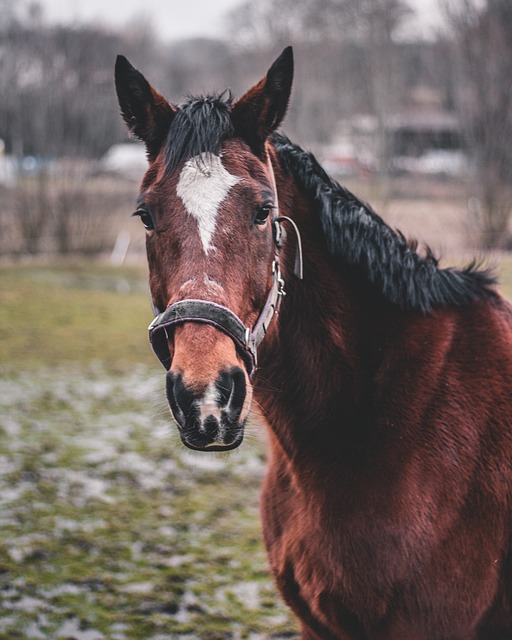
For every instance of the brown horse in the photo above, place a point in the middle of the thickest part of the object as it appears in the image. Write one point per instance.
(385, 381)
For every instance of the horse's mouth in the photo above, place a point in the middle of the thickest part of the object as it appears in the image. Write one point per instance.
(199, 442)
(211, 434)
(213, 448)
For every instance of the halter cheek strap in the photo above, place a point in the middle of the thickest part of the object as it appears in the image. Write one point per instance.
(246, 340)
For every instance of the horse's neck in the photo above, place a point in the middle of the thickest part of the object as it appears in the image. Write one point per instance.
(315, 365)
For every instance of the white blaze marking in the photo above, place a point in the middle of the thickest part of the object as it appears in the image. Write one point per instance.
(203, 185)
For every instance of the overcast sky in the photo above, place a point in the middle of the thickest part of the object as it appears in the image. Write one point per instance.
(173, 19)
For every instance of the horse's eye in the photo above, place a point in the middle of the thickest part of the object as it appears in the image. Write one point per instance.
(262, 213)
(146, 217)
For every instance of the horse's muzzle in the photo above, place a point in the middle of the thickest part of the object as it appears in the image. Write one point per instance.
(209, 419)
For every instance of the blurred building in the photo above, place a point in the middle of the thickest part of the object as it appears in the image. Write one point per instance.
(418, 140)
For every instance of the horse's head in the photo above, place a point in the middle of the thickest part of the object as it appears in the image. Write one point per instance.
(208, 203)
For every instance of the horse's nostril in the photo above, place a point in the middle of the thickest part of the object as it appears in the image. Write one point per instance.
(224, 386)
(232, 390)
(181, 399)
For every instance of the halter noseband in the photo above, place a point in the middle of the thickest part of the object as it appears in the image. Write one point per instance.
(246, 340)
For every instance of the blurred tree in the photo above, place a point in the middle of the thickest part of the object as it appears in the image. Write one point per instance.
(349, 62)
(375, 23)
(482, 38)
(58, 102)
(56, 82)
(197, 66)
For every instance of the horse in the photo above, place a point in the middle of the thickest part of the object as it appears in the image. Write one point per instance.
(384, 379)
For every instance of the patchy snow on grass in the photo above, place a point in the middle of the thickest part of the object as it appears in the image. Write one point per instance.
(111, 530)
(246, 592)
(71, 629)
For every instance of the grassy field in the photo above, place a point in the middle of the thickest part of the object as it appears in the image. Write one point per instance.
(110, 530)
(73, 314)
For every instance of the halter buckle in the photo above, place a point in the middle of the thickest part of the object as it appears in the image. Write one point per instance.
(250, 345)
(279, 234)
(276, 273)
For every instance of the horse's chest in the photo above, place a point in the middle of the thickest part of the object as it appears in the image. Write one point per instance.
(356, 565)
(332, 566)
(365, 569)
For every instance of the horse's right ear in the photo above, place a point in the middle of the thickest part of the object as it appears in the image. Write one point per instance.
(261, 110)
(147, 114)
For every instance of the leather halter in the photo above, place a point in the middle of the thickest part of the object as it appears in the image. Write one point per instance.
(246, 340)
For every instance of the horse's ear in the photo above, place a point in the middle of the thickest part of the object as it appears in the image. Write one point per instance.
(147, 114)
(261, 110)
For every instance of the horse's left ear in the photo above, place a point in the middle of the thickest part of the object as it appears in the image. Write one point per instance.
(146, 113)
(261, 110)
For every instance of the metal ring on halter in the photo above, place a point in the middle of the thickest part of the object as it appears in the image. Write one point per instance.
(298, 268)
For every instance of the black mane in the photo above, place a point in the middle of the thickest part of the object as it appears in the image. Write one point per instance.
(354, 232)
(200, 126)
(360, 238)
